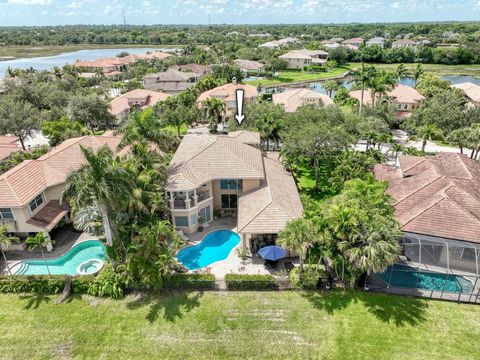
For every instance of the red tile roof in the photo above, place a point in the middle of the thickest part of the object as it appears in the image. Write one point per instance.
(436, 195)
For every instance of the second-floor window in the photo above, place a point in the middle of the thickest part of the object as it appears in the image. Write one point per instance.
(36, 202)
(230, 184)
(6, 213)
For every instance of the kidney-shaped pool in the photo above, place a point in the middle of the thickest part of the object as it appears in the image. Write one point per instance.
(67, 264)
(214, 247)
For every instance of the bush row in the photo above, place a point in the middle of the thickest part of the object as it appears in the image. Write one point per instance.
(250, 282)
(189, 281)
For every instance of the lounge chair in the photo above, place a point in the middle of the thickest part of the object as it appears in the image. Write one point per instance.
(182, 235)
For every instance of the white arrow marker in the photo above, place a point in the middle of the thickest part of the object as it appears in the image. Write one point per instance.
(239, 115)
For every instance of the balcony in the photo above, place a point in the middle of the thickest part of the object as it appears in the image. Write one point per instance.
(203, 195)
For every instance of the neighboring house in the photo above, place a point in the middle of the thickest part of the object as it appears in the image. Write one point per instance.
(108, 66)
(171, 81)
(331, 45)
(227, 93)
(404, 97)
(380, 41)
(250, 66)
(229, 174)
(437, 202)
(293, 99)
(30, 192)
(277, 44)
(135, 99)
(350, 47)
(472, 92)
(353, 41)
(404, 43)
(8, 145)
(193, 68)
(298, 59)
(113, 66)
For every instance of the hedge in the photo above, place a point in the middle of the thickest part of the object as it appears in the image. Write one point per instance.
(250, 282)
(189, 281)
(42, 284)
(310, 277)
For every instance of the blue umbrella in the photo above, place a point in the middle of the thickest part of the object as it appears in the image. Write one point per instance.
(272, 252)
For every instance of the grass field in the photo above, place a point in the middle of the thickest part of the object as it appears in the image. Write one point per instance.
(29, 51)
(467, 70)
(286, 77)
(239, 325)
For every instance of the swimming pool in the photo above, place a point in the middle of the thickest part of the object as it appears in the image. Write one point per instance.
(79, 256)
(409, 277)
(214, 247)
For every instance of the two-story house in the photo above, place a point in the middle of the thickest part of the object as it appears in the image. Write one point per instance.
(30, 193)
(171, 81)
(135, 99)
(298, 59)
(291, 100)
(227, 93)
(229, 174)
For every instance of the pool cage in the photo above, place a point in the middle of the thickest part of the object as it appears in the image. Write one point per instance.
(432, 267)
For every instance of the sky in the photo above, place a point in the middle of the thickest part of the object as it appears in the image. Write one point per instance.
(64, 12)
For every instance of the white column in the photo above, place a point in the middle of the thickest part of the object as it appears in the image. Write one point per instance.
(195, 197)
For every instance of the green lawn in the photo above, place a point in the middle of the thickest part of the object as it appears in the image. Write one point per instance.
(295, 76)
(468, 70)
(240, 325)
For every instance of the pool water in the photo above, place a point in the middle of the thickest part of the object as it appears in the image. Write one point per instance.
(405, 276)
(214, 247)
(66, 264)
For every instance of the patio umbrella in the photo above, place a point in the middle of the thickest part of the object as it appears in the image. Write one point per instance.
(272, 252)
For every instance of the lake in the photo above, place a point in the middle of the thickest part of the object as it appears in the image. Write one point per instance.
(48, 62)
(317, 86)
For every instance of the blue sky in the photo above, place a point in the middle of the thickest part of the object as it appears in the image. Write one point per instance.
(59, 12)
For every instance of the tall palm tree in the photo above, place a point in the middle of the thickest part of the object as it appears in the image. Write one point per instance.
(5, 242)
(417, 73)
(428, 132)
(401, 72)
(298, 236)
(269, 128)
(214, 108)
(40, 240)
(459, 137)
(381, 83)
(396, 149)
(362, 77)
(102, 181)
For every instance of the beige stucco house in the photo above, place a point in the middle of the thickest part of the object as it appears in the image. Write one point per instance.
(404, 97)
(298, 59)
(171, 81)
(291, 100)
(471, 91)
(227, 93)
(230, 176)
(135, 99)
(30, 193)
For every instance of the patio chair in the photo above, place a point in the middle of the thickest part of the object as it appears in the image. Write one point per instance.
(182, 235)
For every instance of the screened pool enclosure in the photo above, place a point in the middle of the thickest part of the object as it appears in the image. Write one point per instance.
(432, 267)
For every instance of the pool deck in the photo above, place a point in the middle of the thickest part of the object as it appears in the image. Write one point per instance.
(64, 238)
(234, 264)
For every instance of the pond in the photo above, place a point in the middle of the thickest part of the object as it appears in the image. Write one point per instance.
(48, 62)
(347, 82)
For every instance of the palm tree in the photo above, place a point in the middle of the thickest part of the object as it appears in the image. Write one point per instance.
(396, 149)
(5, 242)
(214, 108)
(269, 128)
(40, 240)
(362, 77)
(298, 236)
(428, 132)
(401, 72)
(330, 86)
(381, 83)
(102, 181)
(145, 125)
(417, 73)
(459, 137)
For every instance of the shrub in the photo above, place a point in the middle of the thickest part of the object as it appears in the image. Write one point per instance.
(107, 283)
(40, 284)
(189, 281)
(310, 276)
(250, 282)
